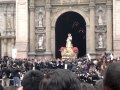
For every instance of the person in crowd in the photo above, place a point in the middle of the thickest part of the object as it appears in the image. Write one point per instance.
(1, 87)
(112, 77)
(5, 76)
(60, 79)
(31, 80)
(16, 75)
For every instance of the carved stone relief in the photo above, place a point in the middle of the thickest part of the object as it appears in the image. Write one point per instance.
(1, 20)
(39, 16)
(83, 1)
(84, 8)
(56, 9)
(8, 11)
(75, 1)
(55, 1)
(81, 8)
(101, 28)
(69, 1)
(100, 1)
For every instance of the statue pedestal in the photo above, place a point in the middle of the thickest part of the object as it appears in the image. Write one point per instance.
(69, 53)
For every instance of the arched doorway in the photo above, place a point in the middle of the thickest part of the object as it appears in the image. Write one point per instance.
(74, 23)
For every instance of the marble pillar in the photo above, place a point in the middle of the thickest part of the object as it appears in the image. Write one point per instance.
(4, 41)
(109, 28)
(32, 29)
(92, 29)
(116, 28)
(12, 22)
(22, 28)
(87, 38)
(4, 23)
(48, 29)
(9, 47)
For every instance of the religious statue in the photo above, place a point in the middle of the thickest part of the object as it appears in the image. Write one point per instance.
(40, 19)
(9, 23)
(100, 14)
(69, 41)
(40, 42)
(100, 41)
(69, 51)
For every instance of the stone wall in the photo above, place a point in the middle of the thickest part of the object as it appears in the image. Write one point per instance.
(116, 27)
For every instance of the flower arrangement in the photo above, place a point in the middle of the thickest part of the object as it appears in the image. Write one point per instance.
(67, 50)
(62, 49)
(75, 49)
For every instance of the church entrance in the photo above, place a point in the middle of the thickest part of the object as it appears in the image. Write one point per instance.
(74, 23)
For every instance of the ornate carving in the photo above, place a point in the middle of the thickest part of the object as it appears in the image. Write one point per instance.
(56, 1)
(101, 28)
(81, 8)
(74, 1)
(69, 1)
(8, 14)
(98, 1)
(54, 10)
(22, 2)
(31, 2)
(84, 8)
(83, 1)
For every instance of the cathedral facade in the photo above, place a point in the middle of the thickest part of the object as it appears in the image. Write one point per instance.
(28, 27)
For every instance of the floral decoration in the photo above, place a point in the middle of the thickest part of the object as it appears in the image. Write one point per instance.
(75, 49)
(62, 49)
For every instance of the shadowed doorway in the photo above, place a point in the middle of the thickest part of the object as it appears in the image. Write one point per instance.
(74, 23)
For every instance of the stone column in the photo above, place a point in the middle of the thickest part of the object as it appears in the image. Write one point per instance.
(116, 28)
(12, 31)
(48, 29)
(92, 28)
(32, 29)
(12, 22)
(87, 38)
(4, 23)
(109, 27)
(4, 41)
(9, 47)
(22, 28)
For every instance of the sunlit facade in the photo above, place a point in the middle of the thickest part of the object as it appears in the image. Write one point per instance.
(29, 28)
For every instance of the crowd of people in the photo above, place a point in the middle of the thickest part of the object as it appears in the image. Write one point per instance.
(87, 71)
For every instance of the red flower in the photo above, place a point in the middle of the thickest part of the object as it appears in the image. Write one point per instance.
(62, 49)
(75, 49)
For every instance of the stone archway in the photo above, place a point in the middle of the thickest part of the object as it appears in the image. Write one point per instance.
(74, 23)
(57, 15)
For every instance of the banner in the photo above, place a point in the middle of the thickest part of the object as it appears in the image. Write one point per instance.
(14, 53)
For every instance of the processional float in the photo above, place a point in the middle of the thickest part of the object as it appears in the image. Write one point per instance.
(69, 52)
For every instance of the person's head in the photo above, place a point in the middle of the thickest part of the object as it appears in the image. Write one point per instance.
(69, 34)
(1, 87)
(112, 77)
(60, 79)
(31, 80)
